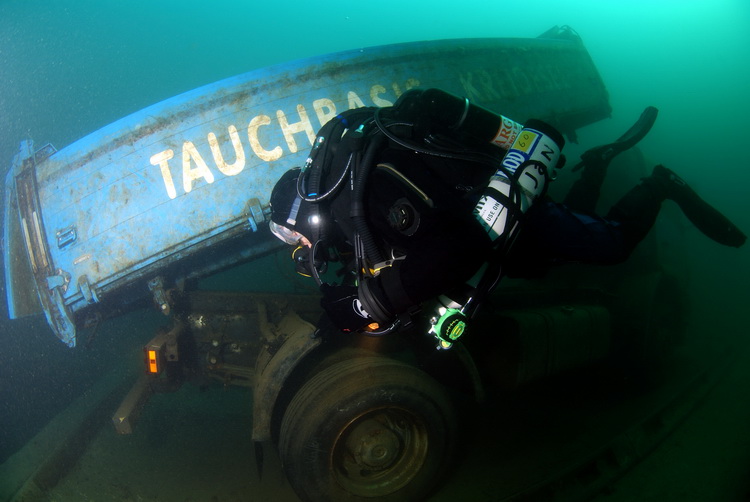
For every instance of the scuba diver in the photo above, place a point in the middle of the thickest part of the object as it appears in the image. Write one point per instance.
(436, 198)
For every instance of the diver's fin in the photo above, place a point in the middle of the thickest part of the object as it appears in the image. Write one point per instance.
(706, 218)
(605, 153)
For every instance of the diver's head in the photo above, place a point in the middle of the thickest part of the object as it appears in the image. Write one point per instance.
(292, 218)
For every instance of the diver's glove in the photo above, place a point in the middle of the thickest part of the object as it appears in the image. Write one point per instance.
(343, 307)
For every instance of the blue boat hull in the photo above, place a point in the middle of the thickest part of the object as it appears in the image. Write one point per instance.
(180, 189)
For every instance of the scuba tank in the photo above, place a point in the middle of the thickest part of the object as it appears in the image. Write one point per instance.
(533, 150)
(521, 180)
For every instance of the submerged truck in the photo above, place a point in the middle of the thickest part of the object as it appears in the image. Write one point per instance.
(139, 211)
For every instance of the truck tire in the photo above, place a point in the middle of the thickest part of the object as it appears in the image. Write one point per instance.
(370, 429)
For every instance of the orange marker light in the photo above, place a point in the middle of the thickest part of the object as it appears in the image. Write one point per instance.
(153, 367)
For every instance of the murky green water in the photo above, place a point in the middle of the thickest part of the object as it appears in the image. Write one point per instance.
(68, 68)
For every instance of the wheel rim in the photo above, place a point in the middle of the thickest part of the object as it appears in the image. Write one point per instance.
(379, 451)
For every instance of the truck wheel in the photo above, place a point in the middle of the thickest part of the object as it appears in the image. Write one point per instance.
(367, 429)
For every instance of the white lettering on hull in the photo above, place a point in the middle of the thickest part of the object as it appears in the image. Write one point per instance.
(196, 170)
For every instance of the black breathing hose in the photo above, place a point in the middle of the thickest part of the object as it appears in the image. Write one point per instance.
(358, 212)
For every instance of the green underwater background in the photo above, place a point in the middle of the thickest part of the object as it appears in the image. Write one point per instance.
(68, 68)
